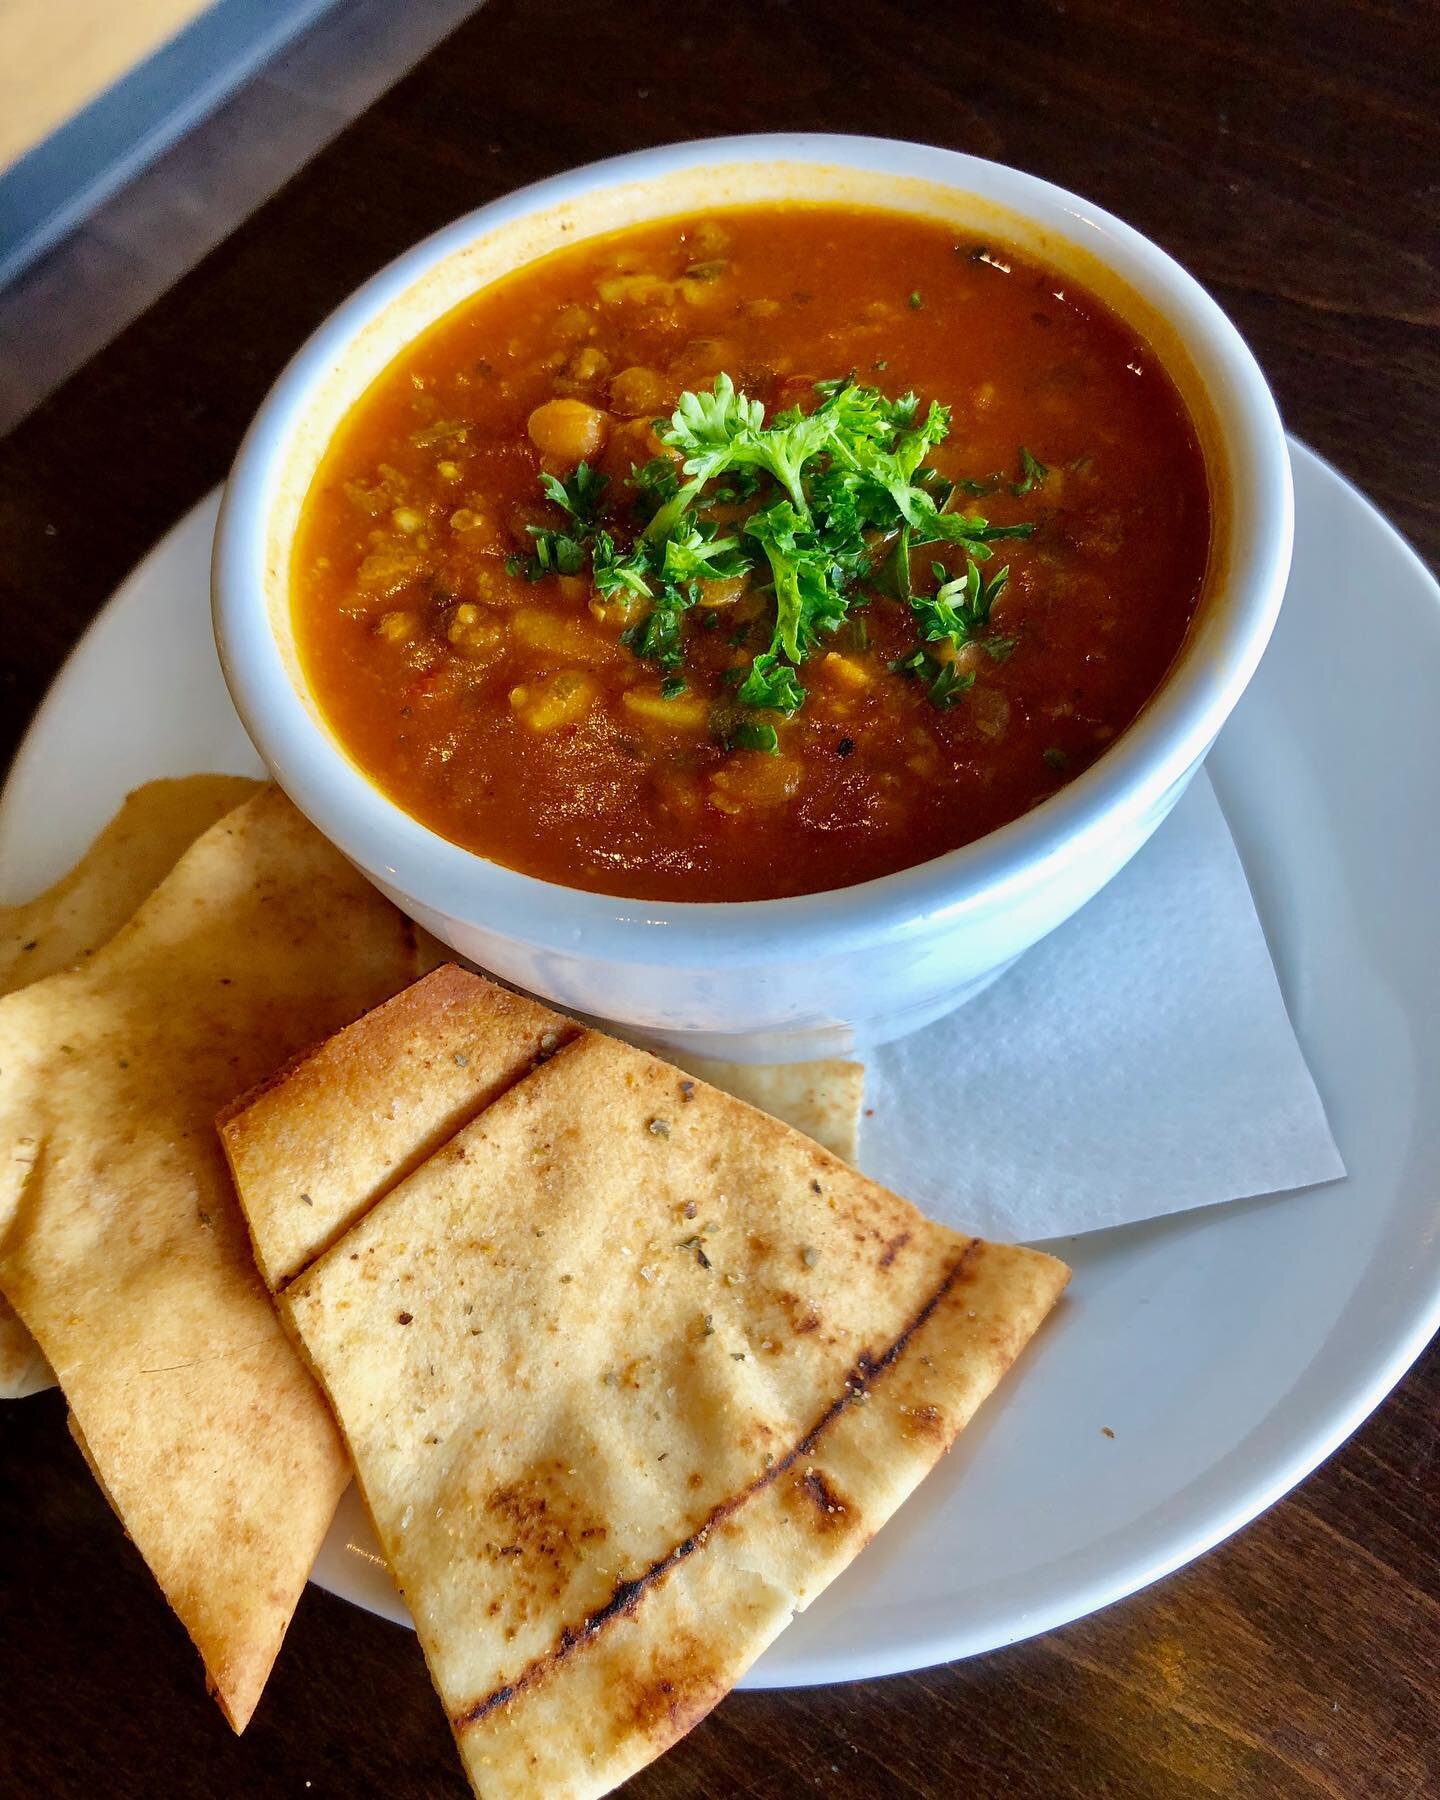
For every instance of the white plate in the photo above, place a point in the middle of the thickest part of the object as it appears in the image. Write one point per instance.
(1229, 1351)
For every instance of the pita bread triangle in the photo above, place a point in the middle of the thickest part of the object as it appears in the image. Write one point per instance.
(822, 1099)
(156, 823)
(314, 1146)
(629, 1371)
(121, 1245)
(318, 1143)
(74, 917)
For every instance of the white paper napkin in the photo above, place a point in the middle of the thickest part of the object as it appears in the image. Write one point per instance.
(1136, 1062)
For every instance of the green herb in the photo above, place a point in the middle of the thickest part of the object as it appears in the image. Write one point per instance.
(943, 681)
(697, 1244)
(564, 551)
(616, 571)
(673, 686)
(915, 300)
(839, 499)
(772, 685)
(656, 479)
(657, 637)
(1032, 474)
(752, 736)
(580, 496)
(959, 609)
(1054, 759)
(555, 553)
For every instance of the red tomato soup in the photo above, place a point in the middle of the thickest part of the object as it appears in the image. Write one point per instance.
(749, 555)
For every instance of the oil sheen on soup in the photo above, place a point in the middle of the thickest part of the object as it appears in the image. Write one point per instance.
(749, 555)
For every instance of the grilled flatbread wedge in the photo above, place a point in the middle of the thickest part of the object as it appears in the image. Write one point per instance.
(822, 1099)
(135, 851)
(316, 1145)
(121, 1245)
(629, 1372)
(76, 916)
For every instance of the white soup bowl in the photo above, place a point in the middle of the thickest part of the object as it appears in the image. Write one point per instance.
(819, 974)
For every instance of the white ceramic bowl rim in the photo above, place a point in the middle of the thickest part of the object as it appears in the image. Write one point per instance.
(1168, 738)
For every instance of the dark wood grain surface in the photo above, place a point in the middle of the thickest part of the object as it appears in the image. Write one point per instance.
(1288, 155)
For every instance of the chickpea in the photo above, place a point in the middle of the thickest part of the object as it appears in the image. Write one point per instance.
(493, 583)
(702, 359)
(588, 364)
(480, 531)
(567, 431)
(476, 633)
(397, 627)
(573, 323)
(632, 445)
(638, 392)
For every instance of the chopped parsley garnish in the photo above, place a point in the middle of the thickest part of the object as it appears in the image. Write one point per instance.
(832, 503)
(1032, 474)
(581, 495)
(751, 735)
(943, 681)
(959, 609)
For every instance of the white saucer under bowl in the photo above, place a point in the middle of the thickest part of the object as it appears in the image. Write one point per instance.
(1227, 1351)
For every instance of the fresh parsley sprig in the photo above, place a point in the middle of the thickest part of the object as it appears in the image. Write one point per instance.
(564, 550)
(959, 609)
(839, 496)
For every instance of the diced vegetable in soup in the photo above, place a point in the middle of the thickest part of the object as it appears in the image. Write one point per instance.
(750, 555)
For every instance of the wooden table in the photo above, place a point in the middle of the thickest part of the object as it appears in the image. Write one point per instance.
(1286, 154)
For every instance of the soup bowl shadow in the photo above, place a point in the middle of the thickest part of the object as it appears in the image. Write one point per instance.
(818, 974)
